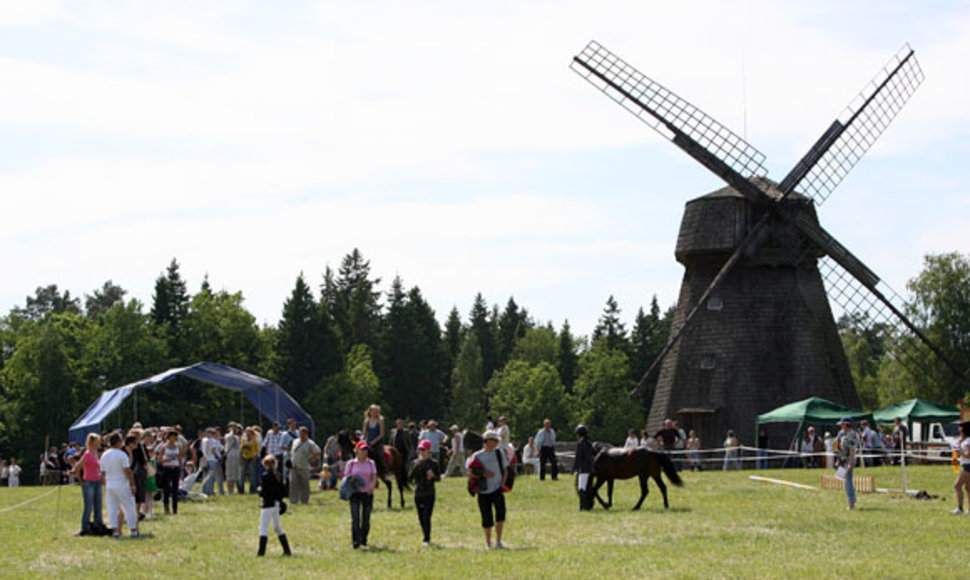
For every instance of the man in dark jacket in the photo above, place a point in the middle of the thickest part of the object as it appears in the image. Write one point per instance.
(584, 468)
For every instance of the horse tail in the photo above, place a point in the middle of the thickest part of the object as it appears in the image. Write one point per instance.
(670, 470)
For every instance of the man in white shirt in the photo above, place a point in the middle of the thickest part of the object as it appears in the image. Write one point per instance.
(212, 451)
(457, 453)
(119, 484)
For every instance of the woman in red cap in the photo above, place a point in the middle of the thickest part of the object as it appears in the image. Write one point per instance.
(424, 472)
(362, 499)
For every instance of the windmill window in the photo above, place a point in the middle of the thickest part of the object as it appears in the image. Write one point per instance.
(715, 303)
(708, 362)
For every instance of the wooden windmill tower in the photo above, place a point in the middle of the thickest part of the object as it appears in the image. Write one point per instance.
(753, 328)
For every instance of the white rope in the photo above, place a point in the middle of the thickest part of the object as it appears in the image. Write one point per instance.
(23, 503)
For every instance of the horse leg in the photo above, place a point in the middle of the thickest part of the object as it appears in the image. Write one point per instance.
(400, 490)
(643, 492)
(390, 491)
(663, 488)
(596, 491)
(609, 491)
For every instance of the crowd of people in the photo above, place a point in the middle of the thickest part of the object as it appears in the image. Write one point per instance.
(123, 474)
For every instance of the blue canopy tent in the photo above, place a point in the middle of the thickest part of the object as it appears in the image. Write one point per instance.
(269, 398)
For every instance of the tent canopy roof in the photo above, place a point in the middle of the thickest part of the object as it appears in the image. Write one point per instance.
(813, 409)
(917, 410)
(269, 398)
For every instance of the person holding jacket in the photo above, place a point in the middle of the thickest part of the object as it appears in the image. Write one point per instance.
(584, 468)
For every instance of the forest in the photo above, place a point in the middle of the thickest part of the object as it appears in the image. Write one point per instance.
(348, 342)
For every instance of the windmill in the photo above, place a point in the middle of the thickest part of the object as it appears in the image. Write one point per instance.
(753, 328)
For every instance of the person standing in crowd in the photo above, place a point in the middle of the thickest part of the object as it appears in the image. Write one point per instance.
(139, 466)
(400, 438)
(373, 431)
(503, 433)
(631, 439)
(545, 439)
(846, 444)
(436, 437)
(88, 470)
(424, 472)
(171, 457)
(489, 424)
(13, 473)
(762, 463)
(286, 444)
(233, 445)
(331, 458)
(731, 451)
(119, 484)
(212, 452)
(4, 473)
(457, 460)
(491, 497)
(362, 499)
(414, 435)
(249, 455)
(668, 434)
(272, 490)
(274, 442)
(900, 437)
(829, 443)
(694, 451)
(584, 467)
(151, 473)
(530, 455)
(962, 482)
(303, 452)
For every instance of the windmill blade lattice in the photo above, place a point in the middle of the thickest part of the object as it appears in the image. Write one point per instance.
(903, 339)
(663, 110)
(855, 131)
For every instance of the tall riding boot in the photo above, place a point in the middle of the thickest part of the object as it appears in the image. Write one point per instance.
(262, 546)
(286, 545)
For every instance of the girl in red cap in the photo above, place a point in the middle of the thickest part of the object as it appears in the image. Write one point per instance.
(362, 499)
(424, 472)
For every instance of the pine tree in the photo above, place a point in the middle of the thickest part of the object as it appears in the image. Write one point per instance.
(96, 304)
(296, 366)
(468, 401)
(170, 306)
(568, 358)
(481, 325)
(356, 307)
(512, 324)
(610, 328)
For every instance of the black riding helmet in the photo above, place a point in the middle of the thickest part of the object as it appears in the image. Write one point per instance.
(581, 430)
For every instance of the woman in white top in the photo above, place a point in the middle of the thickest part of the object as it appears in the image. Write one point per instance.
(13, 473)
(963, 478)
(530, 455)
(631, 439)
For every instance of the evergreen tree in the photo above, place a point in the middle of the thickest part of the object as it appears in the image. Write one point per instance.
(610, 328)
(512, 325)
(481, 325)
(601, 393)
(648, 338)
(568, 358)
(468, 401)
(297, 364)
(356, 307)
(108, 295)
(170, 306)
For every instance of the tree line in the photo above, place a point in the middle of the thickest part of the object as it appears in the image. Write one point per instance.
(337, 348)
(345, 344)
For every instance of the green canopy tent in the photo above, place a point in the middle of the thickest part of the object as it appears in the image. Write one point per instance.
(917, 410)
(811, 410)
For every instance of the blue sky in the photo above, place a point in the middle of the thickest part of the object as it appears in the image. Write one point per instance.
(449, 142)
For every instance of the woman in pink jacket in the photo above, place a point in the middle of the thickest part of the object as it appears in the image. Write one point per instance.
(362, 499)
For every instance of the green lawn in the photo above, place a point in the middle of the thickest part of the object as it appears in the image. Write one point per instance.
(719, 525)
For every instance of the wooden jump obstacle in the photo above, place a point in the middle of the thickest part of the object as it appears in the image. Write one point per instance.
(863, 483)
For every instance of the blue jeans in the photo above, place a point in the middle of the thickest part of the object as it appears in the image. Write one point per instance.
(850, 487)
(91, 492)
(214, 475)
(361, 505)
(250, 472)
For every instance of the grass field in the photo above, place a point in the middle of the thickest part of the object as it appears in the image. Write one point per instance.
(720, 525)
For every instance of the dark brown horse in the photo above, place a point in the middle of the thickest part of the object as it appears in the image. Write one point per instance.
(393, 464)
(624, 463)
